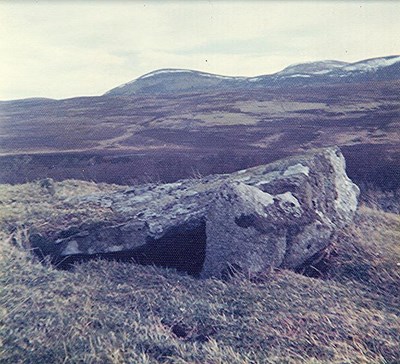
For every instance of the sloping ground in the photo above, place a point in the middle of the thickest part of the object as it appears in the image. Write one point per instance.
(109, 312)
(168, 137)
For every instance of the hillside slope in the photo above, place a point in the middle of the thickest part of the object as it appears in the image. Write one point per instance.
(109, 312)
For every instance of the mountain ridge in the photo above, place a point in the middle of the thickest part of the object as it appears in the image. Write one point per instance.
(175, 80)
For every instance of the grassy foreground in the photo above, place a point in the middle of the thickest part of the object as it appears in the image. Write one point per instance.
(109, 312)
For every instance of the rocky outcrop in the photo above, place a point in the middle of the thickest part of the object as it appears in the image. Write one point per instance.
(277, 215)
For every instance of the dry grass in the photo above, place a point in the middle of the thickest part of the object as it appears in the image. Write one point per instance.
(109, 312)
(368, 253)
(45, 202)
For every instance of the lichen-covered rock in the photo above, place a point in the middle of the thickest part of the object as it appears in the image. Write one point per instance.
(276, 215)
(247, 228)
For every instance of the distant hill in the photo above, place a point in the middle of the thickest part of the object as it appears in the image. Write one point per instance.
(177, 80)
(322, 72)
(171, 124)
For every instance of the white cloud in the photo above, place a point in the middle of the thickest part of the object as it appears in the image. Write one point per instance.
(64, 49)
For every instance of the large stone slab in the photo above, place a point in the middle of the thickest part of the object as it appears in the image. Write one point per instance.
(277, 215)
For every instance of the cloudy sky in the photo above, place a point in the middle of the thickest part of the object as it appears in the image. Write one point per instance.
(71, 48)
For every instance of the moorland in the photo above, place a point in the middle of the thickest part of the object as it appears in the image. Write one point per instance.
(343, 308)
(165, 137)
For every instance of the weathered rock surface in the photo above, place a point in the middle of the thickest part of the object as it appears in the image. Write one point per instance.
(278, 215)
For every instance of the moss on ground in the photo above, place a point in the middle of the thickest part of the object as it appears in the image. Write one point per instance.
(110, 312)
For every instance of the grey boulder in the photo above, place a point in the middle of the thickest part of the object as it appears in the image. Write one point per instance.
(276, 215)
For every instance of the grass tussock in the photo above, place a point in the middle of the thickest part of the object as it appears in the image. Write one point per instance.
(110, 312)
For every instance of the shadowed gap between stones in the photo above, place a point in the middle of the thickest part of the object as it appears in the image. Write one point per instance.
(182, 247)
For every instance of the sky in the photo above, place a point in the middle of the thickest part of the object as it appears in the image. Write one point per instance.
(63, 49)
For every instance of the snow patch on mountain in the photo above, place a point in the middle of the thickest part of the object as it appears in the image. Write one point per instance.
(254, 79)
(312, 68)
(299, 75)
(371, 64)
(164, 71)
(167, 71)
(324, 72)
